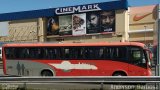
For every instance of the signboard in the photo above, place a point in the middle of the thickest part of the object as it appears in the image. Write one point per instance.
(81, 8)
(79, 24)
(107, 21)
(113, 5)
(85, 19)
(52, 26)
(65, 24)
(93, 22)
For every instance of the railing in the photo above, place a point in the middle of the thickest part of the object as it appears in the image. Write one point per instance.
(81, 79)
(100, 80)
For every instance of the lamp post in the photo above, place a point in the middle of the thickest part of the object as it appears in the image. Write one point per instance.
(145, 27)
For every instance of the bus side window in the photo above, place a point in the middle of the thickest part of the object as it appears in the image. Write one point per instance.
(91, 53)
(96, 52)
(31, 53)
(120, 53)
(51, 53)
(79, 53)
(12, 53)
(67, 53)
(23, 53)
(45, 53)
(107, 52)
(54, 54)
(57, 53)
(87, 53)
(72, 53)
(101, 54)
(7, 52)
(38, 53)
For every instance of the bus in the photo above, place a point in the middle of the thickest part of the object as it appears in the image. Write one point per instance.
(76, 59)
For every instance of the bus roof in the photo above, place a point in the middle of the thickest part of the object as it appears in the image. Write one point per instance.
(74, 44)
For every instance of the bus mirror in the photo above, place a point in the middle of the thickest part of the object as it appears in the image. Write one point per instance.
(150, 54)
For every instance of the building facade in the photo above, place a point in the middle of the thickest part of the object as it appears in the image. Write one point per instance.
(110, 21)
(142, 23)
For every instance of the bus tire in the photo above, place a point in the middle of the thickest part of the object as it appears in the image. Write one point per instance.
(46, 73)
(119, 73)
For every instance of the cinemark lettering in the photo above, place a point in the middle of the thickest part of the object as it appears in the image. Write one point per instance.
(68, 10)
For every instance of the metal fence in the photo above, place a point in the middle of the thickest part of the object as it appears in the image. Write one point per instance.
(100, 80)
(83, 79)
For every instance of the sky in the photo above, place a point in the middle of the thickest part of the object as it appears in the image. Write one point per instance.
(8, 6)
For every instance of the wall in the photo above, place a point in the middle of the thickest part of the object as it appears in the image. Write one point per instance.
(142, 23)
(22, 31)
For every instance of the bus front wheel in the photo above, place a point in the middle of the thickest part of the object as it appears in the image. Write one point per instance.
(46, 73)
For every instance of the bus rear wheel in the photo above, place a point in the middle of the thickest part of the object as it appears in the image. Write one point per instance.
(46, 73)
(119, 74)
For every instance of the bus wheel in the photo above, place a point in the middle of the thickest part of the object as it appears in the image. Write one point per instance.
(46, 73)
(119, 74)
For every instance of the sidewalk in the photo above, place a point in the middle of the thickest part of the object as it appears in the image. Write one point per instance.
(1, 65)
(1, 68)
(1, 72)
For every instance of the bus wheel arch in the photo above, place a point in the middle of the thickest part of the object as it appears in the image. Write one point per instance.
(119, 73)
(47, 72)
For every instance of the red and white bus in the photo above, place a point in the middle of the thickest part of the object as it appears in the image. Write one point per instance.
(76, 59)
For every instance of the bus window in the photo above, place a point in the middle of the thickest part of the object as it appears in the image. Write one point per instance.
(67, 53)
(51, 53)
(10, 53)
(70, 53)
(24, 53)
(115, 53)
(120, 53)
(90, 52)
(78, 53)
(101, 53)
(137, 56)
(35, 53)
